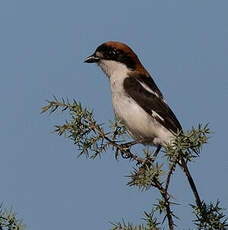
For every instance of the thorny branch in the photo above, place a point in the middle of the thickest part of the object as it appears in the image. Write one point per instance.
(91, 138)
(170, 172)
(140, 161)
(165, 195)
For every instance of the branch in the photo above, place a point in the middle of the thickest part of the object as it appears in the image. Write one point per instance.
(9, 221)
(184, 167)
(166, 204)
(171, 170)
(92, 140)
(210, 216)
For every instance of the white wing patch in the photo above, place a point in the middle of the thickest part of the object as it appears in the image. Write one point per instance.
(146, 87)
(154, 114)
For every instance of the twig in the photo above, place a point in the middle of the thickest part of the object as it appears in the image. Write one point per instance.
(171, 169)
(119, 147)
(184, 167)
(167, 203)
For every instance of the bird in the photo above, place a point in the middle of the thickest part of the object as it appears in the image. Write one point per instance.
(137, 101)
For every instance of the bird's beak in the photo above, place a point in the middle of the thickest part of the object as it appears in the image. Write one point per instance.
(92, 59)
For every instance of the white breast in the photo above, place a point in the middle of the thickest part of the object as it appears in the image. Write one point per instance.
(138, 122)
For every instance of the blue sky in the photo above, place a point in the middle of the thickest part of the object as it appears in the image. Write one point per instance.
(183, 44)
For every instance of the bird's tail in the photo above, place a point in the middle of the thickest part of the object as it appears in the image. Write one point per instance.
(184, 167)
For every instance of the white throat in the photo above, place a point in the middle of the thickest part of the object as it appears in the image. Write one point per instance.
(114, 68)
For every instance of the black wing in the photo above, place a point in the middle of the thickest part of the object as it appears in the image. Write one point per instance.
(152, 103)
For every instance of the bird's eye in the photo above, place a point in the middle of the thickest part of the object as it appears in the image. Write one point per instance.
(113, 52)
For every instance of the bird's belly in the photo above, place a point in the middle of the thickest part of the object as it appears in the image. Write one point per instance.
(139, 123)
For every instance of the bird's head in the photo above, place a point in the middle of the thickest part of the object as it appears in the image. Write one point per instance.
(116, 56)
